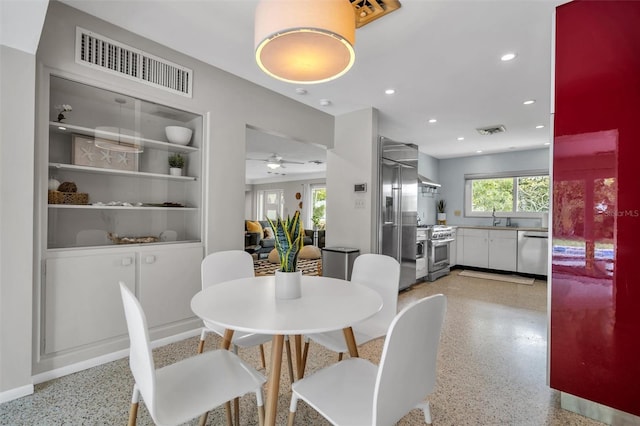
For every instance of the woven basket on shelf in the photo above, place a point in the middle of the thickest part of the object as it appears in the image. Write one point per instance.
(57, 197)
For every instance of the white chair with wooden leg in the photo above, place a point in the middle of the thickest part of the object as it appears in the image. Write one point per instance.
(182, 391)
(357, 392)
(226, 266)
(382, 274)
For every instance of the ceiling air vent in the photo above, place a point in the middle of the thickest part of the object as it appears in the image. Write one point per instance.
(370, 10)
(99, 52)
(492, 130)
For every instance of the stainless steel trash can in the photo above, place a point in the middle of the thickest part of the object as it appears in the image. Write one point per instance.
(337, 262)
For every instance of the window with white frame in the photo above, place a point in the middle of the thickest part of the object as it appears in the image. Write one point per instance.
(513, 194)
(318, 206)
(270, 204)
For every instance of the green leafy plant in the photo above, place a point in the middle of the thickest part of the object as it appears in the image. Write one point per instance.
(289, 239)
(441, 205)
(176, 161)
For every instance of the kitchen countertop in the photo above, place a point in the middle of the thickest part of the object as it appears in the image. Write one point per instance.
(504, 228)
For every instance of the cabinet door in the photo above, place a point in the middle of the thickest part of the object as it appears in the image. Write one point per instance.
(169, 278)
(476, 249)
(453, 253)
(460, 246)
(82, 303)
(503, 250)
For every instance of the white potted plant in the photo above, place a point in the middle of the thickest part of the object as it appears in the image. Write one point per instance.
(176, 163)
(442, 216)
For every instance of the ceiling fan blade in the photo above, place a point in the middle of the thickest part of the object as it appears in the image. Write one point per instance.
(291, 162)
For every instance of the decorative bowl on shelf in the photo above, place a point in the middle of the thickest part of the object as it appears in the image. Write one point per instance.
(178, 134)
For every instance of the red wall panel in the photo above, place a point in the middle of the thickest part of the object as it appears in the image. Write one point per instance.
(595, 293)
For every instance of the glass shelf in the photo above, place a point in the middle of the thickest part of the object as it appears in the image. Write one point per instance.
(65, 128)
(98, 207)
(89, 169)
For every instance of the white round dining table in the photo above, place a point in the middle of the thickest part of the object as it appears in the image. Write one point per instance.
(250, 305)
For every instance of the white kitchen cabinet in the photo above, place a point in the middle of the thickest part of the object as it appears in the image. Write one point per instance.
(82, 304)
(503, 250)
(453, 250)
(476, 248)
(460, 246)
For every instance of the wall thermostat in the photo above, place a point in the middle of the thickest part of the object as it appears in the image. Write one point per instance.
(360, 187)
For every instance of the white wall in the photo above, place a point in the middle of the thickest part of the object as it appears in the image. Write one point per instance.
(350, 218)
(17, 76)
(452, 171)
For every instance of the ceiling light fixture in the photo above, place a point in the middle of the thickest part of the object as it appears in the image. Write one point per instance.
(273, 166)
(305, 41)
(390, 91)
(325, 102)
(433, 120)
(460, 138)
(508, 57)
(118, 139)
(529, 102)
(539, 126)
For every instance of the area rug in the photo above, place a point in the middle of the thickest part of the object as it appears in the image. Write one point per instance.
(498, 277)
(307, 266)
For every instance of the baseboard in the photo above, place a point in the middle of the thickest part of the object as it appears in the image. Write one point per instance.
(15, 393)
(597, 411)
(103, 359)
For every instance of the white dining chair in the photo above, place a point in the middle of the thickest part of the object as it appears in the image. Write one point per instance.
(186, 389)
(382, 274)
(358, 392)
(224, 266)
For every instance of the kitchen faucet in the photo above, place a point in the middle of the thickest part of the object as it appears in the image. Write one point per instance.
(496, 221)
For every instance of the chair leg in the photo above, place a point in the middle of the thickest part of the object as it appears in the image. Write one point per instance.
(260, 404)
(287, 344)
(292, 409)
(262, 359)
(340, 356)
(203, 334)
(305, 352)
(203, 419)
(133, 410)
(426, 410)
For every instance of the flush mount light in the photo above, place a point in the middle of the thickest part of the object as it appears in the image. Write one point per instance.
(508, 57)
(433, 120)
(390, 91)
(539, 126)
(529, 102)
(305, 41)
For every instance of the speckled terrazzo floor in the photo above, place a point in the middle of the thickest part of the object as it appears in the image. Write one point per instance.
(491, 370)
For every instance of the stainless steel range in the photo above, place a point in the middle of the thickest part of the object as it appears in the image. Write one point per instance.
(439, 239)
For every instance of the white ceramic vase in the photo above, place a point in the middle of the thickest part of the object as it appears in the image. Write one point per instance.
(442, 218)
(175, 171)
(288, 285)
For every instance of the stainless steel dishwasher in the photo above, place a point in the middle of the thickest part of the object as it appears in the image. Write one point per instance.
(533, 247)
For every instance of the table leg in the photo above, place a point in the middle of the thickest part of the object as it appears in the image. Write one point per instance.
(274, 379)
(351, 342)
(298, 342)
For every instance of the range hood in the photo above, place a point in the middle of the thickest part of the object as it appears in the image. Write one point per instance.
(424, 181)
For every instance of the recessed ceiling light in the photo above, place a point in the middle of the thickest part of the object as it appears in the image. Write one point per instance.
(547, 143)
(539, 126)
(479, 151)
(529, 102)
(433, 120)
(390, 91)
(460, 138)
(62, 128)
(301, 91)
(508, 57)
(325, 102)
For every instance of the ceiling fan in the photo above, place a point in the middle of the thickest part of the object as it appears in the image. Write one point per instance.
(275, 161)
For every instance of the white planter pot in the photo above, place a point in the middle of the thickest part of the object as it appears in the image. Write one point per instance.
(288, 285)
(442, 217)
(175, 171)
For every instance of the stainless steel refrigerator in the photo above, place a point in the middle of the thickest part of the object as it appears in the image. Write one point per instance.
(399, 206)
